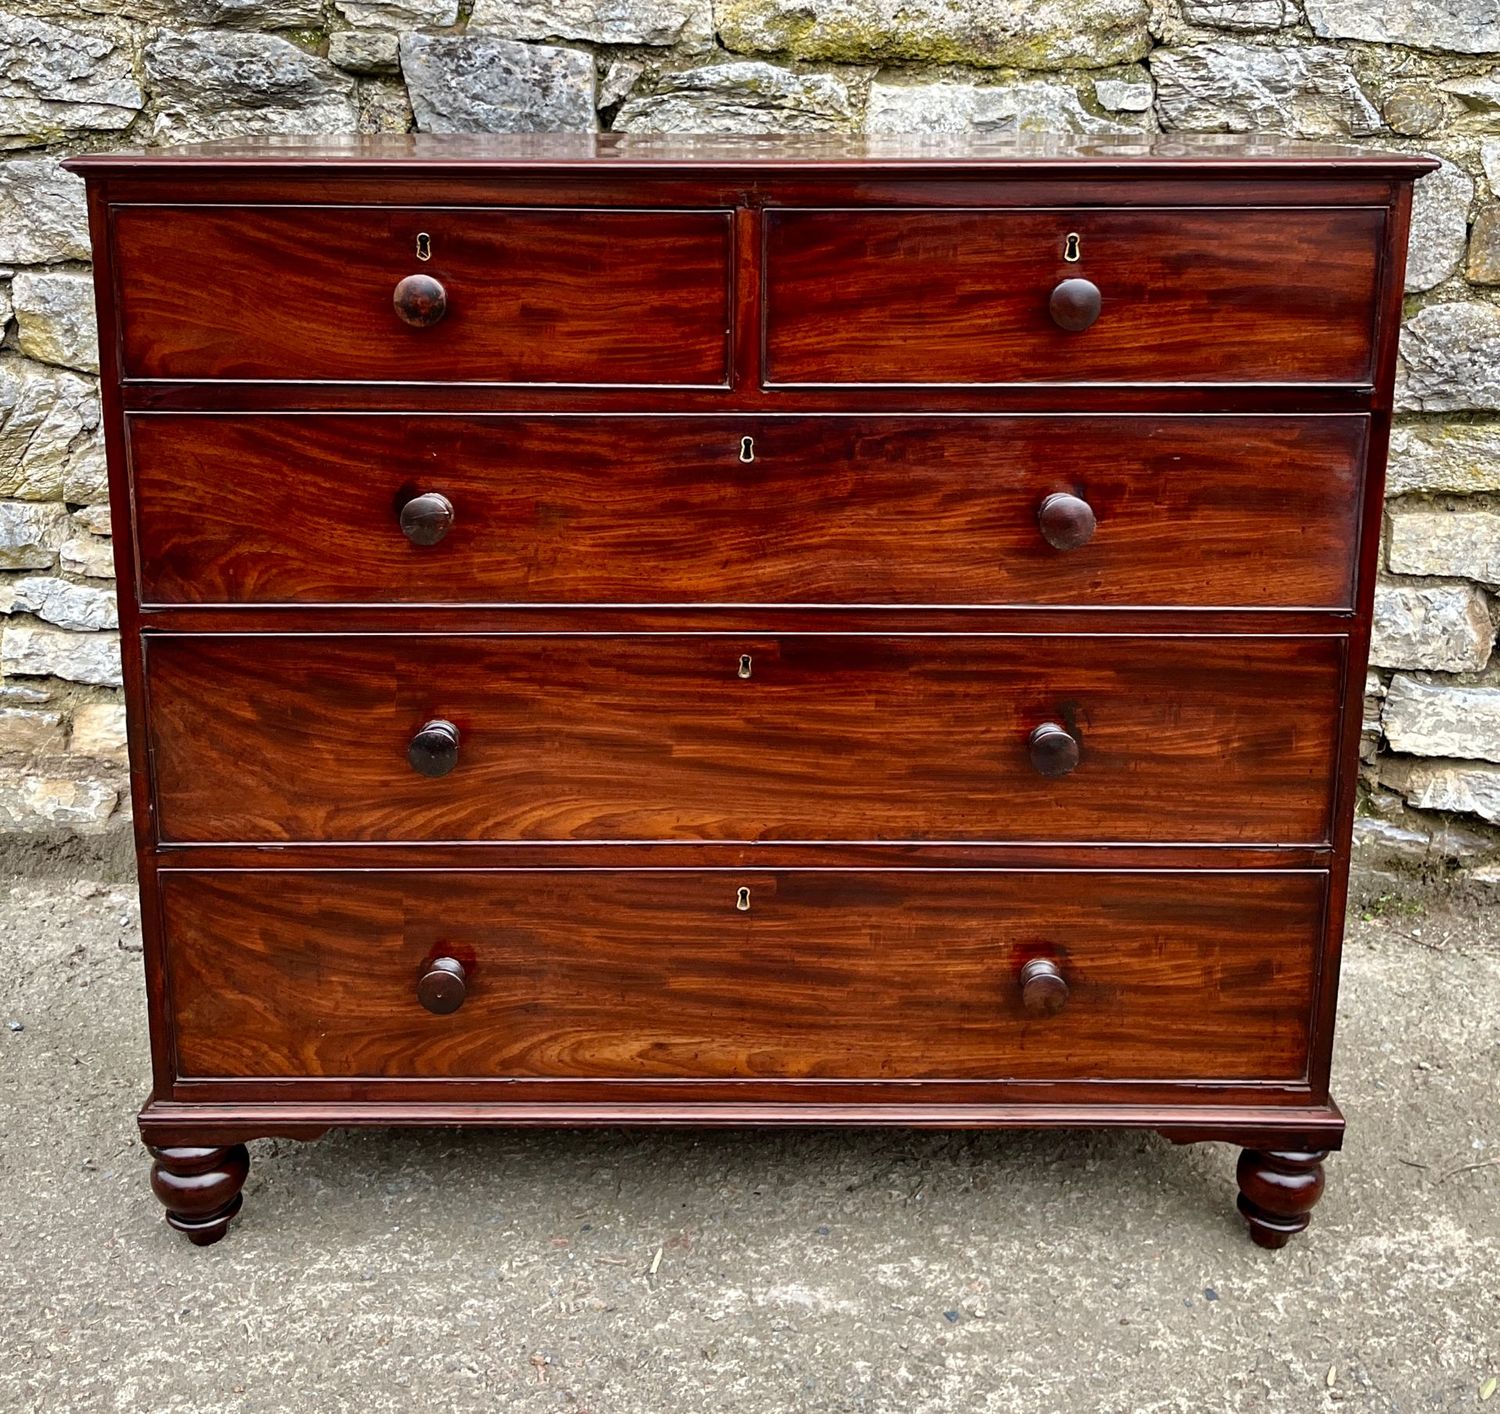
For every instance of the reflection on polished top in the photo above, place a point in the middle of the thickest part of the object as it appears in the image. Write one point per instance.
(1033, 152)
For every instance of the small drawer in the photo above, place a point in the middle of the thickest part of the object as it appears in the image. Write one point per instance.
(344, 293)
(1217, 295)
(702, 737)
(974, 975)
(1082, 510)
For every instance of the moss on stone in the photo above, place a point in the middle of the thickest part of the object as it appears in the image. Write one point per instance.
(845, 36)
(313, 39)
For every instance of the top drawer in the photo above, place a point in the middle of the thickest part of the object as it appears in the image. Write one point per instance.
(528, 296)
(1210, 295)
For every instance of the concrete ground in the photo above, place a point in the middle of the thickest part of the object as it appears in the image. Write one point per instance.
(758, 1272)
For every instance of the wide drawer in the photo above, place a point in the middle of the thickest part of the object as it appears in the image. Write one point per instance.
(532, 296)
(881, 975)
(308, 509)
(1217, 295)
(739, 737)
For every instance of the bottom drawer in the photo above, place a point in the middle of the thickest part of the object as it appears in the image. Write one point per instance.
(721, 974)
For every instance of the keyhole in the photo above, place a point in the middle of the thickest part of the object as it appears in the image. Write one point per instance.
(1071, 252)
(747, 449)
(424, 246)
(744, 665)
(742, 900)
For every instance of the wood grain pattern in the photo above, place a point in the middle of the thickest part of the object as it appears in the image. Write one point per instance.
(962, 296)
(293, 738)
(826, 975)
(875, 314)
(848, 510)
(532, 296)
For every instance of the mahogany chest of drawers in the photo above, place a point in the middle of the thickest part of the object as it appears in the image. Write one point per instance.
(651, 631)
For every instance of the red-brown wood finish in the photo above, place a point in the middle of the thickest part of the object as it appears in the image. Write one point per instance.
(200, 1188)
(696, 737)
(753, 510)
(876, 975)
(1211, 296)
(522, 461)
(1352, 724)
(304, 292)
(1278, 1191)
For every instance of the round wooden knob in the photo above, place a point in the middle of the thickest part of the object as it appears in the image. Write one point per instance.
(1075, 305)
(420, 301)
(434, 749)
(443, 986)
(427, 518)
(1054, 750)
(1044, 990)
(1066, 521)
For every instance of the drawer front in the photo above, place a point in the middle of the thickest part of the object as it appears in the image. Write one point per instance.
(1184, 296)
(1237, 511)
(722, 737)
(530, 296)
(823, 975)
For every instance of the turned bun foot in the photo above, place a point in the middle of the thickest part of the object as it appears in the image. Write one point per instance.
(200, 1188)
(1278, 1191)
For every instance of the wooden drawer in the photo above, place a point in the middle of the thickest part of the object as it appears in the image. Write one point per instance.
(878, 975)
(730, 737)
(532, 296)
(826, 510)
(1214, 295)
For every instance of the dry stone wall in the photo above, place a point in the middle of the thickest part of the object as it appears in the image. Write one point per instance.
(1421, 75)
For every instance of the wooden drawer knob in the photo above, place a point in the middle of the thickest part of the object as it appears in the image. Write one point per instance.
(434, 749)
(1066, 521)
(420, 301)
(426, 519)
(443, 986)
(1075, 305)
(1044, 990)
(1054, 750)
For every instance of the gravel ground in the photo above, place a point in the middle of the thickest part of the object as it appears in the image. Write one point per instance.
(759, 1272)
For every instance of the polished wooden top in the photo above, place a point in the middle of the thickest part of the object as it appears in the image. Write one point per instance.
(989, 155)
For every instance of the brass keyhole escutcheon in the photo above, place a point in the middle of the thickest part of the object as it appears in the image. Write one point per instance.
(1071, 252)
(424, 246)
(742, 900)
(747, 449)
(744, 665)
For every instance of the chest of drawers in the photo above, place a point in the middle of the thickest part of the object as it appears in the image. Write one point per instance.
(671, 631)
